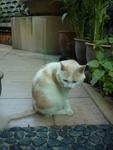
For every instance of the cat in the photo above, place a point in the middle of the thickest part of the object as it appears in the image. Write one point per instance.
(52, 84)
(50, 90)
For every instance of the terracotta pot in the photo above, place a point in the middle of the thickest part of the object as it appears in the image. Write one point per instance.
(66, 44)
(80, 50)
(90, 52)
(1, 76)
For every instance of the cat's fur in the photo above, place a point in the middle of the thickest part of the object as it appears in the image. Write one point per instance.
(52, 84)
(50, 89)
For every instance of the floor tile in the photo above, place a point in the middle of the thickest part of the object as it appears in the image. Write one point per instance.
(104, 103)
(16, 64)
(33, 121)
(11, 107)
(33, 55)
(21, 76)
(16, 89)
(79, 91)
(85, 112)
(5, 48)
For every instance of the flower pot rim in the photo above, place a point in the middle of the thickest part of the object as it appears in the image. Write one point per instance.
(65, 31)
(103, 45)
(81, 40)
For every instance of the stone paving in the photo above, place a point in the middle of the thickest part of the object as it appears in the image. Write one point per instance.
(19, 68)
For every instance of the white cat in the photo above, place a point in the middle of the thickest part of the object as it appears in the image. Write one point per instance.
(50, 89)
(52, 84)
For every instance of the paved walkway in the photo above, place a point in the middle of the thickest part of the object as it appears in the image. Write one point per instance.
(19, 68)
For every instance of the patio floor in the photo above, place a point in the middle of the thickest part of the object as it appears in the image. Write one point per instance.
(19, 68)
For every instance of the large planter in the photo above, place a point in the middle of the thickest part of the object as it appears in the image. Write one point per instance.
(66, 44)
(1, 76)
(90, 52)
(80, 50)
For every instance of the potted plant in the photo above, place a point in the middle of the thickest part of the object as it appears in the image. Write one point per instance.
(106, 44)
(77, 13)
(79, 22)
(99, 16)
(66, 36)
(66, 44)
(101, 70)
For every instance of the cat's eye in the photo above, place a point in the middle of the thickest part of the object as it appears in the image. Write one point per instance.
(65, 80)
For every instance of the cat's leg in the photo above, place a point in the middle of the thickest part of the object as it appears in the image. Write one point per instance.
(34, 106)
(61, 112)
(68, 112)
(54, 111)
(49, 112)
(67, 108)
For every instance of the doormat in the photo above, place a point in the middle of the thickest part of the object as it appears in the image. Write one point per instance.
(78, 137)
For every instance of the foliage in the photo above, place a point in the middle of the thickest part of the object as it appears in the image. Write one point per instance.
(107, 40)
(102, 71)
(78, 13)
(99, 17)
(86, 16)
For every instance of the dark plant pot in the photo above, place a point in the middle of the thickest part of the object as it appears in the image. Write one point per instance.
(66, 44)
(80, 50)
(1, 76)
(90, 52)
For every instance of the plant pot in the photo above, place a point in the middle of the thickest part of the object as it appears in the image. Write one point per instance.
(80, 50)
(1, 76)
(90, 52)
(66, 44)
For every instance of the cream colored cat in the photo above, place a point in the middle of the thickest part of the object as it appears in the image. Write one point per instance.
(52, 84)
(50, 89)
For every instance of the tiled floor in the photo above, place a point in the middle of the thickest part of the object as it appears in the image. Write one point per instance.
(19, 68)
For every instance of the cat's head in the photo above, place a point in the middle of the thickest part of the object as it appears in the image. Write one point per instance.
(70, 73)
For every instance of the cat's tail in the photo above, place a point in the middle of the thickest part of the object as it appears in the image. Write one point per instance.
(4, 120)
(22, 115)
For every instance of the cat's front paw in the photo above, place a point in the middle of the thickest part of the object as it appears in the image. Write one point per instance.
(69, 112)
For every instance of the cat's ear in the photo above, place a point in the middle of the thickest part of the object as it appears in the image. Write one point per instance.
(61, 66)
(82, 68)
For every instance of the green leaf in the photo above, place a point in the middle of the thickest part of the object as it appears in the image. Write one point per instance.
(98, 73)
(64, 16)
(93, 81)
(110, 74)
(110, 40)
(93, 64)
(108, 65)
(99, 55)
(100, 42)
(108, 87)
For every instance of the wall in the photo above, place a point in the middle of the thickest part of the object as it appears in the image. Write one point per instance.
(37, 33)
(43, 7)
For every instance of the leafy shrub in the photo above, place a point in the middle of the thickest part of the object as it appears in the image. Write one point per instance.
(101, 69)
